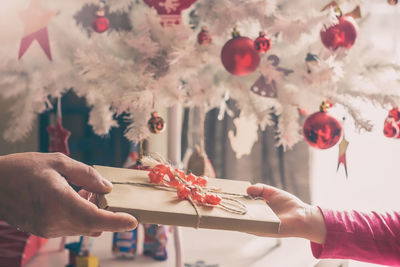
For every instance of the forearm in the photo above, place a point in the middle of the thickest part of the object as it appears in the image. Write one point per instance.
(314, 226)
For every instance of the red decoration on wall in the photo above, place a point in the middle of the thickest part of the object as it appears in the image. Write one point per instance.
(35, 19)
(343, 34)
(239, 55)
(321, 130)
(170, 10)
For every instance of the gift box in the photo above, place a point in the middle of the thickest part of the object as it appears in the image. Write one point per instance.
(133, 193)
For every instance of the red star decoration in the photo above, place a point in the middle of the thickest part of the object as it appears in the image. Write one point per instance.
(342, 154)
(58, 138)
(35, 19)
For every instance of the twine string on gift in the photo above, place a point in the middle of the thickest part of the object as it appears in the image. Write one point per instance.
(228, 202)
(193, 189)
(230, 197)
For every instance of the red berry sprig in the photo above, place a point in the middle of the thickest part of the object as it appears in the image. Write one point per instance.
(188, 186)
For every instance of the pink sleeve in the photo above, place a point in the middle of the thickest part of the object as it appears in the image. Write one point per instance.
(369, 237)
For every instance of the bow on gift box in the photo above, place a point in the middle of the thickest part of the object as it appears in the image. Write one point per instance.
(190, 187)
(170, 10)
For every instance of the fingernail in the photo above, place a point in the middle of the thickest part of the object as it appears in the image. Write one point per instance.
(107, 183)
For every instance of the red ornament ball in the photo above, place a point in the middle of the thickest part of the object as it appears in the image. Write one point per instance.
(100, 23)
(343, 34)
(321, 130)
(391, 128)
(262, 44)
(204, 38)
(239, 56)
(156, 124)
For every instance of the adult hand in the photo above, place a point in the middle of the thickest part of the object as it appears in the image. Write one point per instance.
(35, 197)
(298, 219)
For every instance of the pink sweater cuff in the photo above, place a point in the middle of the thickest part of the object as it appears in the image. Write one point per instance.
(369, 237)
(335, 237)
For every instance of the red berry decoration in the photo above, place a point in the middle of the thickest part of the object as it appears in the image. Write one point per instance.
(183, 191)
(321, 130)
(262, 44)
(343, 34)
(391, 127)
(239, 55)
(100, 23)
(156, 124)
(204, 38)
(212, 199)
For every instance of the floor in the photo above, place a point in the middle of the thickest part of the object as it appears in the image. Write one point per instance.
(202, 248)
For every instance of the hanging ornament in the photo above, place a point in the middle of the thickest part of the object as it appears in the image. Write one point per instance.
(262, 44)
(100, 23)
(344, 33)
(239, 56)
(199, 164)
(392, 2)
(35, 19)
(170, 10)
(312, 61)
(195, 159)
(156, 124)
(321, 130)
(264, 89)
(245, 135)
(58, 134)
(342, 153)
(204, 38)
(391, 127)
(266, 86)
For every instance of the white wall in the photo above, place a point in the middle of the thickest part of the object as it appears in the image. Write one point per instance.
(373, 159)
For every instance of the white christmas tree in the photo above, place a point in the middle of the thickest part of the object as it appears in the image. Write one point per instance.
(159, 64)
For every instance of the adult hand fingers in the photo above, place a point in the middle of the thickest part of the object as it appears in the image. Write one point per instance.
(261, 190)
(80, 174)
(94, 219)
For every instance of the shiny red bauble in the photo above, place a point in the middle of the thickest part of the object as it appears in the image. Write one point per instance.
(100, 24)
(239, 56)
(156, 124)
(204, 38)
(262, 44)
(391, 128)
(341, 35)
(321, 130)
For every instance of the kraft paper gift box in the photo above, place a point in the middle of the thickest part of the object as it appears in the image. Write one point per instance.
(158, 206)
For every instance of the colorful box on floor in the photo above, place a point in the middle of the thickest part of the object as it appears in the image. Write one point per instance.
(158, 206)
(90, 261)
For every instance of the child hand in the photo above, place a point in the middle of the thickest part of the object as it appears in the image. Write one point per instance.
(298, 219)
